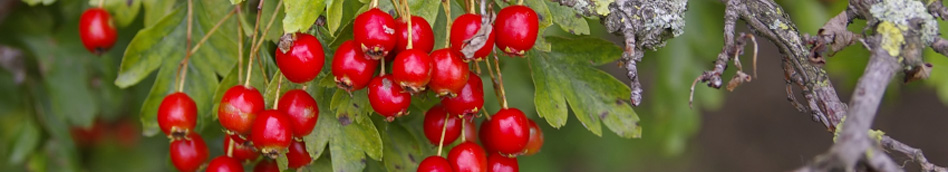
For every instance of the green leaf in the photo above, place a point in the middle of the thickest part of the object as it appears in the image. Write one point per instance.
(350, 143)
(123, 11)
(235, 2)
(402, 150)
(282, 162)
(35, 2)
(317, 140)
(568, 19)
(340, 13)
(568, 75)
(26, 142)
(423, 8)
(351, 107)
(65, 76)
(301, 14)
(155, 10)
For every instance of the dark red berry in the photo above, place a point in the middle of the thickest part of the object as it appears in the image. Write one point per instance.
(242, 150)
(469, 101)
(297, 155)
(412, 70)
(96, 30)
(434, 124)
(470, 131)
(507, 132)
(89, 136)
(300, 107)
(266, 165)
(239, 107)
(467, 157)
(272, 133)
(301, 60)
(351, 68)
(516, 29)
(387, 98)
(422, 37)
(434, 164)
(484, 137)
(188, 153)
(224, 164)
(449, 74)
(465, 27)
(536, 139)
(375, 32)
(177, 115)
(500, 163)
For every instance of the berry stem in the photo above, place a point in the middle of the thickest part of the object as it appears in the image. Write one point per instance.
(463, 127)
(470, 6)
(447, 25)
(520, 2)
(253, 38)
(398, 10)
(497, 82)
(500, 81)
(408, 18)
(444, 128)
(230, 147)
(382, 64)
(374, 4)
(256, 46)
(211, 32)
(276, 98)
(183, 67)
(101, 3)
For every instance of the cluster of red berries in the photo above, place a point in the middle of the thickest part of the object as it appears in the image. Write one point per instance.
(96, 30)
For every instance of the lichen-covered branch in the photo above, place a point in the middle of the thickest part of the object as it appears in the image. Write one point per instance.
(914, 154)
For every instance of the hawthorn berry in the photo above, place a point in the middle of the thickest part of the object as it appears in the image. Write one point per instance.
(224, 164)
(300, 107)
(239, 107)
(388, 99)
(242, 150)
(297, 155)
(412, 70)
(464, 28)
(467, 157)
(96, 30)
(272, 133)
(434, 124)
(536, 139)
(506, 132)
(177, 115)
(300, 57)
(375, 32)
(434, 164)
(266, 165)
(351, 69)
(470, 130)
(469, 100)
(188, 153)
(516, 28)
(500, 163)
(449, 74)
(422, 37)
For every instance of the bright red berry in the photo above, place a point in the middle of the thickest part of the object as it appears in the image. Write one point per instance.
(300, 107)
(272, 133)
(351, 68)
(375, 32)
(516, 29)
(434, 164)
(297, 155)
(449, 74)
(500, 163)
(507, 132)
(266, 165)
(422, 37)
(224, 164)
(434, 124)
(469, 100)
(96, 30)
(465, 27)
(177, 115)
(300, 59)
(387, 98)
(412, 70)
(187, 154)
(536, 139)
(239, 108)
(242, 150)
(467, 157)
(470, 130)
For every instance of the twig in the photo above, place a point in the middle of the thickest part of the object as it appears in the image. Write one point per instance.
(914, 154)
(213, 29)
(183, 66)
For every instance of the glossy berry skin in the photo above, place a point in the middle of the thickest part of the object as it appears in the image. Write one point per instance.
(297, 155)
(374, 30)
(469, 100)
(536, 139)
(467, 157)
(434, 164)
(507, 132)
(412, 70)
(301, 108)
(388, 99)
(266, 165)
(239, 107)
(516, 29)
(242, 150)
(434, 124)
(351, 69)
(189, 153)
(470, 130)
(272, 132)
(303, 60)
(96, 30)
(465, 27)
(177, 115)
(422, 36)
(449, 74)
(500, 163)
(484, 137)
(224, 164)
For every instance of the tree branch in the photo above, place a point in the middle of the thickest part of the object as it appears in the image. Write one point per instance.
(914, 154)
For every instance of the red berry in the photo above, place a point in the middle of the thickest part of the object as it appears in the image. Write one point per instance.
(242, 150)
(297, 156)
(536, 139)
(301, 61)
(470, 131)
(266, 165)
(96, 30)
(434, 164)
(469, 100)
(412, 70)
(449, 74)
(388, 99)
(300, 107)
(177, 115)
(467, 157)
(375, 32)
(516, 29)
(507, 132)
(272, 133)
(239, 107)
(351, 68)
(499, 163)
(484, 138)
(465, 27)
(91, 136)
(422, 37)
(434, 124)
(224, 164)
(189, 153)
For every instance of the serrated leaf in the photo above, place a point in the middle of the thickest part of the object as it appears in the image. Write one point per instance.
(567, 19)
(155, 10)
(123, 11)
(351, 107)
(317, 140)
(301, 14)
(402, 150)
(350, 143)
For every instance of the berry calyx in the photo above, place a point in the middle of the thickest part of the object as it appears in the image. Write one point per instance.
(422, 36)
(351, 69)
(224, 164)
(297, 155)
(412, 70)
(96, 30)
(507, 132)
(449, 74)
(242, 150)
(469, 100)
(302, 110)
(434, 164)
(177, 115)
(434, 124)
(536, 139)
(300, 57)
(516, 29)
(239, 107)
(467, 157)
(465, 27)
(188, 153)
(500, 163)
(266, 165)
(375, 32)
(387, 98)
(272, 133)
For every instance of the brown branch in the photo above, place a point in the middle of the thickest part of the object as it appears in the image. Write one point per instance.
(914, 154)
